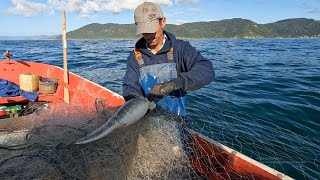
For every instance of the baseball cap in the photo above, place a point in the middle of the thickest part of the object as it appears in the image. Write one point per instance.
(146, 17)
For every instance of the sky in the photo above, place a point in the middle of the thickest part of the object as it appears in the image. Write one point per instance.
(44, 17)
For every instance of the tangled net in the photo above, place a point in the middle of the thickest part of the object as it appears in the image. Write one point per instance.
(153, 148)
(148, 149)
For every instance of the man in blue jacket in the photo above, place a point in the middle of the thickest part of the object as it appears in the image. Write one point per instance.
(162, 67)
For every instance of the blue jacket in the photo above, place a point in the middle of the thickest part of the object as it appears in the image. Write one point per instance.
(194, 71)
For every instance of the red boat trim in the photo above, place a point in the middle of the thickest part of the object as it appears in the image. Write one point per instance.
(277, 174)
(82, 92)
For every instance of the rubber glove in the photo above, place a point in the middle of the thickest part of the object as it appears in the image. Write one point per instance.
(130, 96)
(161, 90)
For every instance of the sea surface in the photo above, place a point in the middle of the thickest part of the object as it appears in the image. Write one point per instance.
(264, 101)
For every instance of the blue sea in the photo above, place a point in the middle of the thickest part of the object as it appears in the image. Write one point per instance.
(264, 101)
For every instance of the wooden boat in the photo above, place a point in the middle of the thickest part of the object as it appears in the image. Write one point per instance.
(214, 161)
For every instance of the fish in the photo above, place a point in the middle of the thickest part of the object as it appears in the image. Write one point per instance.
(127, 114)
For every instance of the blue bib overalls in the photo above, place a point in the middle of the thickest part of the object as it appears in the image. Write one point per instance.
(159, 73)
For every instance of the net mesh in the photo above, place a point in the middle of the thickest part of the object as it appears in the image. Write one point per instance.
(148, 149)
(262, 140)
(156, 147)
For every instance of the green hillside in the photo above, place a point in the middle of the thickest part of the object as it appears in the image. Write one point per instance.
(299, 27)
(229, 28)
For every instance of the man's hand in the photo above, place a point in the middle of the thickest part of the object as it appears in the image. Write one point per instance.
(161, 90)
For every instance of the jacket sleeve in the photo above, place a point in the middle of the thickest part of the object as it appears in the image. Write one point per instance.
(131, 86)
(194, 71)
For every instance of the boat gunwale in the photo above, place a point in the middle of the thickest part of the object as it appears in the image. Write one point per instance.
(243, 157)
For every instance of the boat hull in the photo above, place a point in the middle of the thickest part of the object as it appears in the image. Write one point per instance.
(210, 159)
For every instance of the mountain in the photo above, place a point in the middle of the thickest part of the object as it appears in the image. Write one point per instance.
(229, 28)
(103, 31)
(299, 27)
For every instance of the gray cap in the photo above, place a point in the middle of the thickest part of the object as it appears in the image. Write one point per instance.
(146, 17)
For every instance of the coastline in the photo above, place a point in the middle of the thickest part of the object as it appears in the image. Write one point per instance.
(132, 39)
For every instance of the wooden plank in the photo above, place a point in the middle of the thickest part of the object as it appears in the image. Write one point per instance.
(65, 58)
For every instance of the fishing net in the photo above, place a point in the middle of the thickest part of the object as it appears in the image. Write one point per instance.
(158, 146)
(260, 139)
(148, 149)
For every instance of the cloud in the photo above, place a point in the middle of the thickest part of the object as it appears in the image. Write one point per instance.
(195, 10)
(314, 10)
(176, 13)
(179, 22)
(85, 8)
(26, 8)
(310, 8)
(186, 1)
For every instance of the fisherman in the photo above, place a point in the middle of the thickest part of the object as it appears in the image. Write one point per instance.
(162, 67)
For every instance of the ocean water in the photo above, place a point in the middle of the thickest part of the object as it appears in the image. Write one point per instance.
(264, 101)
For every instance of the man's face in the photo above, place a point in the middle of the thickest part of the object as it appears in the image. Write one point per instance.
(155, 39)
